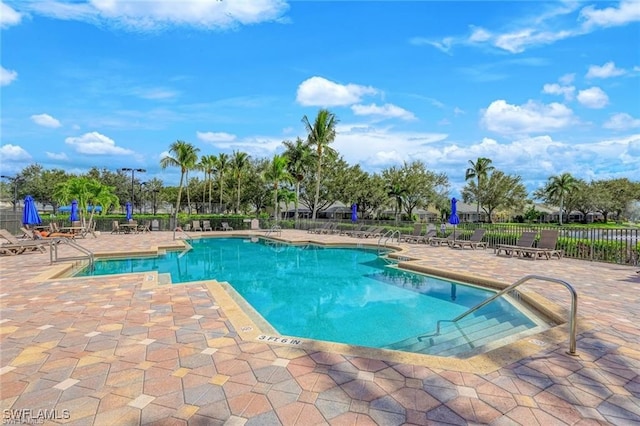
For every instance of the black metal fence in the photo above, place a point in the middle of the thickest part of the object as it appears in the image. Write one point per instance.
(611, 245)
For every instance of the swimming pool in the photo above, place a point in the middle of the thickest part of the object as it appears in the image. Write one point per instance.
(337, 294)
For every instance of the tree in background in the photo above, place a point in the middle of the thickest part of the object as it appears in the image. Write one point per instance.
(208, 166)
(478, 170)
(183, 155)
(299, 161)
(498, 191)
(556, 190)
(239, 169)
(320, 135)
(222, 165)
(277, 173)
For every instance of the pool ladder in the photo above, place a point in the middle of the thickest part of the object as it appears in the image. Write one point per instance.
(572, 319)
(386, 237)
(53, 251)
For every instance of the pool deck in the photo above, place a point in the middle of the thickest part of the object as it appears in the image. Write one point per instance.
(124, 350)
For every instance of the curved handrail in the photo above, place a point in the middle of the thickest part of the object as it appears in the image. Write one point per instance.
(572, 319)
(53, 250)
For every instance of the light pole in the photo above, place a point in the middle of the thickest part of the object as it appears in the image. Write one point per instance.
(155, 193)
(142, 184)
(14, 180)
(133, 172)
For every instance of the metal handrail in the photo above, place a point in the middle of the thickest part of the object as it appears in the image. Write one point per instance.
(53, 250)
(572, 319)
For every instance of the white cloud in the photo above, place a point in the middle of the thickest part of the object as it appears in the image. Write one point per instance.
(160, 15)
(156, 93)
(10, 153)
(626, 12)
(378, 147)
(607, 70)
(58, 156)
(556, 89)
(532, 117)
(94, 143)
(45, 120)
(7, 76)
(318, 91)
(479, 35)
(593, 97)
(567, 79)
(552, 24)
(214, 137)
(622, 121)
(458, 111)
(8, 16)
(386, 111)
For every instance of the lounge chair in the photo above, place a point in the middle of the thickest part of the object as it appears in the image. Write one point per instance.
(376, 232)
(224, 226)
(206, 225)
(525, 241)
(115, 228)
(351, 231)
(196, 226)
(546, 247)
(435, 241)
(474, 242)
(320, 229)
(15, 246)
(417, 230)
(426, 238)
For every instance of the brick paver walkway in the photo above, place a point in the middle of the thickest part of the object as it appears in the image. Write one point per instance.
(121, 350)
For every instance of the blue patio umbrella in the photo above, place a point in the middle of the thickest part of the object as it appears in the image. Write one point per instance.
(354, 212)
(454, 219)
(73, 217)
(30, 214)
(129, 211)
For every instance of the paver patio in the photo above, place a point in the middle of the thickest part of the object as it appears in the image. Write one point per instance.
(126, 351)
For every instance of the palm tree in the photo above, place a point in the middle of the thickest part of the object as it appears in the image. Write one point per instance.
(276, 173)
(184, 155)
(558, 187)
(222, 164)
(208, 166)
(479, 170)
(298, 157)
(239, 166)
(319, 136)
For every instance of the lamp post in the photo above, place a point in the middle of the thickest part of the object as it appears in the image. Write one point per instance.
(133, 172)
(142, 184)
(14, 180)
(155, 193)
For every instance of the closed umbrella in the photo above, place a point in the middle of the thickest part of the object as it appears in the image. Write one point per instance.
(30, 214)
(73, 217)
(129, 211)
(354, 212)
(454, 219)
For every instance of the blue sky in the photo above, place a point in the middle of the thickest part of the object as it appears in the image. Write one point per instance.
(541, 88)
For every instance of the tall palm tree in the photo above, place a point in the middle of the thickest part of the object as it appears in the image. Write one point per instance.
(319, 135)
(276, 173)
(298, 157)
(184, 155)
(222, 165)
(239, 167)
(479, 170)
(558, 187)
(208, 166)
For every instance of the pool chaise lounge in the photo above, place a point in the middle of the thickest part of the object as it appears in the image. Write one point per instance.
(474, 242)
(525, 241)
(546, 247)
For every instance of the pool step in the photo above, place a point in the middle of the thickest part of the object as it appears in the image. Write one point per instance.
(466, 336)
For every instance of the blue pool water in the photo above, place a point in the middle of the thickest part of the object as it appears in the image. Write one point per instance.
(346, 295)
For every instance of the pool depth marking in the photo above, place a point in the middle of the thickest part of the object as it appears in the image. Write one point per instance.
(276, 339)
